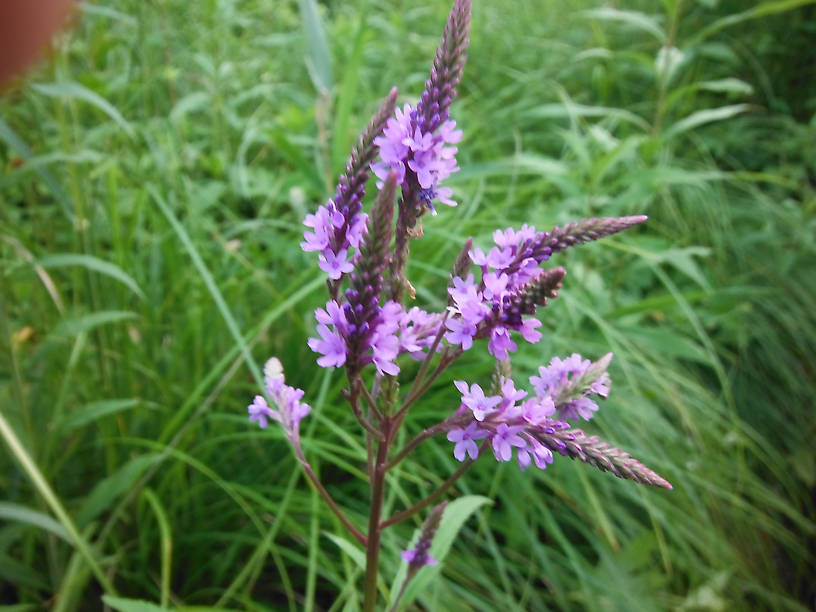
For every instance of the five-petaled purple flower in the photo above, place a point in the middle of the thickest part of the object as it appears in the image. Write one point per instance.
(420, 159)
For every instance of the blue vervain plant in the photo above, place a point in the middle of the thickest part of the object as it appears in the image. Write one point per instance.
(367, 328)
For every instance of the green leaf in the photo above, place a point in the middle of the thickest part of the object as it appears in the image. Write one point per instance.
(635, 19)
(15, 512)
(63, 260)
(132, 605)
(761, 10)
(71, 89)
(354, 552)
(109, 489)
(14, 572)
(454, 517)
(198, 100)
(729, 85)
(707, 115)
(17, 144)
(318, 61)
(341, 139)
(76, 325)
(95, 411)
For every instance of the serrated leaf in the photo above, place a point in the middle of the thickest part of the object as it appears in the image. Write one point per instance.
(71, 89)
(89, 262)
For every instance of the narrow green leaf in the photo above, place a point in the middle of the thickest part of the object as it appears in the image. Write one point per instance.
(109, 489)
(342, 140)
(17, 144)
(71, 89)
(63, 260)
(318, 61)
(729, 85)
(166, 542)
(454, 517)
(15, 512)
(14, 572)
(70, 327)
(132, 605)
(94, 411)
(198, 100)
(633, 18)
(354, 552)
(760, 10)
(704, 116)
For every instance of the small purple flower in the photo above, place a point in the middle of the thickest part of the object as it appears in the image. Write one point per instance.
(465, 441)
(259, 412)
(505, 438)
(331, 343)
(538, 410)
(460, 332)
(541, 454)
(335, 265)
(581, 407)
(474, 398)
(529, 331)
(500, 343)
(415, 557)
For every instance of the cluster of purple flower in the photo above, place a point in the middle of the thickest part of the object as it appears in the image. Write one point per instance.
(507, 422)
(290, 409)
(397, 331)
(333, 233)
(418, 157)
(511, 285)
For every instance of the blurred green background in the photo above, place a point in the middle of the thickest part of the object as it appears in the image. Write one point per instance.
(154, 179)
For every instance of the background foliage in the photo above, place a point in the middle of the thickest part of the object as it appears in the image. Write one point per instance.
(154, 181)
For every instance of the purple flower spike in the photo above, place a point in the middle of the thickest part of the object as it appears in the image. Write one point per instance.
(287, 399)
(420, 556)
(570, 381)
(339, 224)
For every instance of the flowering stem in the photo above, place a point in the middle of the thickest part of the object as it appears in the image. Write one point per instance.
(419, 439)
(374, 529)
(419, 506)
(358, 535)
(444, 362)
(431, 351)
(364, 422)
(372, 403)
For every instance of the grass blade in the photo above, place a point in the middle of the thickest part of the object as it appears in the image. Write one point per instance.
(63, 260)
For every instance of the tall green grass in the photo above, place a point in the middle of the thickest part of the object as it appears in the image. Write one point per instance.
(155, 178)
